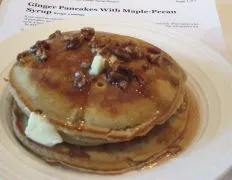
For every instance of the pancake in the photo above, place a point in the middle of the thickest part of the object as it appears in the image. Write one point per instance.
(141, 85)
(161, 143)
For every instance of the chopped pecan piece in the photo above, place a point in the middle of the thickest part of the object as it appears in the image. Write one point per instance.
(120, 51)
(153, 58)
(164, 61)
(21, 56)
(126, 50)
(107, 70)
(39, 50)
(56, 34)
(153, 50)
(88, 33)
(115, 77)
(99, 42)
(158, 60)
(74, 43)
(138, 51)
(39, 45)
(119, 75)
(105, 52)
(41, 54)
(124, 71)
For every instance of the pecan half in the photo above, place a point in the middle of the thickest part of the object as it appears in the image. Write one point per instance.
(88, 33)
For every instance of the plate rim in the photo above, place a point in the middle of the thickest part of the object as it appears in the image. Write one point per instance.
(148, 24)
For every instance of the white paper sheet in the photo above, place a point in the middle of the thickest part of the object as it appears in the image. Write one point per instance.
(197, 18)
(192, 16)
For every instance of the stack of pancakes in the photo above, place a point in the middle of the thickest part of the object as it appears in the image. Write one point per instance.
(110, 121)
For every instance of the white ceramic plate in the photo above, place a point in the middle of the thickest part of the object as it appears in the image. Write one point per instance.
(209, 76)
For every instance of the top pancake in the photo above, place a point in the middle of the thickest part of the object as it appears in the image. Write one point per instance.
(142, 87)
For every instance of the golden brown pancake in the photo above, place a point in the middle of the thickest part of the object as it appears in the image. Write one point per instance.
(162, 142)
(143, 87)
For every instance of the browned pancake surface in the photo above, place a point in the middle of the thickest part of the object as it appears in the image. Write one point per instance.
(101, 108)
(160, 143)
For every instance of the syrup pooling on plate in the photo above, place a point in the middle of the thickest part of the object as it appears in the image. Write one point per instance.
(162, 143)
(186, 137)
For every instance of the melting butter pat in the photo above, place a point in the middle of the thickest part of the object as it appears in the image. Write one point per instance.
(40, 130)
(97, 65)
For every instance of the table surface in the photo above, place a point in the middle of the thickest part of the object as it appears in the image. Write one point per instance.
(224, 8)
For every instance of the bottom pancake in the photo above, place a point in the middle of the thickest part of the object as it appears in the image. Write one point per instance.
(161, 143)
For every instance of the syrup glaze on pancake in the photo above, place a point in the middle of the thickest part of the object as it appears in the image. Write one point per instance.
(106, 106)
(161, 143)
